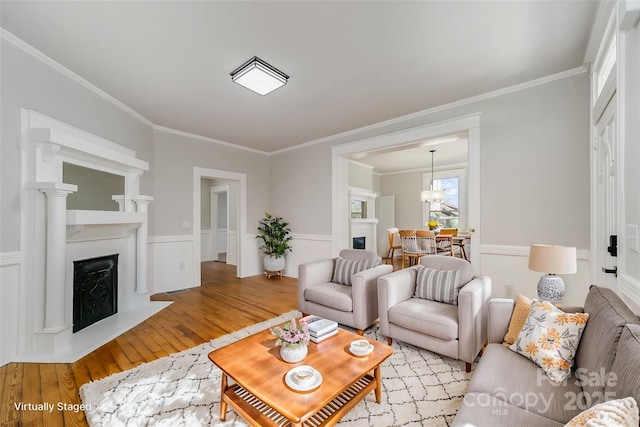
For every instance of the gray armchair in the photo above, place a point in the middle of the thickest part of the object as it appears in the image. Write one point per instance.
(458, 331)
(354, 305)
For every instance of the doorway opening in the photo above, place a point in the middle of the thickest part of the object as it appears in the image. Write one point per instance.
(223, 210)
(215, 224)
(438, 132)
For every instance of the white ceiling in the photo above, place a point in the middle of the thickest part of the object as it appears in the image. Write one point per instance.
(451, 152)
(351, 64)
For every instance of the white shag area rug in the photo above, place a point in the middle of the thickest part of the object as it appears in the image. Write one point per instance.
(419, 388)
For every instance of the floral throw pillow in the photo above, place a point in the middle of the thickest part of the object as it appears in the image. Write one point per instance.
(550, 338)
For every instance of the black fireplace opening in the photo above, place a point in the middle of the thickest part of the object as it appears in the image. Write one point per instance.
(359, 243)
(95, 290)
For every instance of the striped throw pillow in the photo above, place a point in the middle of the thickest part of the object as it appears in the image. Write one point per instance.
(437, 285)
(344, 269)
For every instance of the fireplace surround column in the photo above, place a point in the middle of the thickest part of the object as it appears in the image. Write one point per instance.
(142, 204)
(56, 235)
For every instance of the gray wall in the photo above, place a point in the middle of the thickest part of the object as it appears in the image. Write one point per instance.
(360, 176)
(534, 158)
(174, 159)
(205, 204)
(223, 198)
(406, 188)
(29, 83)
(300, 187)
(222, 210)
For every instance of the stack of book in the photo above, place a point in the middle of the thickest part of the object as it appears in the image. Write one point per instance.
(320, 329)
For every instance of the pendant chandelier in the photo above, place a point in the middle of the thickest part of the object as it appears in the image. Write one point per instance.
(432, 195)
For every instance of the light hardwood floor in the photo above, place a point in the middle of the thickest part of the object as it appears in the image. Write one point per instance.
(222, 304)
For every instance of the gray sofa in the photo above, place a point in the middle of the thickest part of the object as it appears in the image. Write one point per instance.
(508, 389)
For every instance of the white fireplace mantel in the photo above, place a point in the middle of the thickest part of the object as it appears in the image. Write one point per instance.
(81, 217)
(53, 237)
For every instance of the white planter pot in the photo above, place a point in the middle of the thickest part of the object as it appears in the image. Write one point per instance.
(272, 263)
(293, 354)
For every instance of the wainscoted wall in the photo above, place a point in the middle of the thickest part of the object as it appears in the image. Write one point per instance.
(207, 246)
(221, 240)
(508, 265)
(212, 243)
(171, 261)
(9, 297)
(306, 248)
(232, 253)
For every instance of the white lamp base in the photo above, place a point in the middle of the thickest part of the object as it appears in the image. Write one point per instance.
(551, 288)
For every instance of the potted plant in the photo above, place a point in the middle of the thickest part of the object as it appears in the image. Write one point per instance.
(275, 235)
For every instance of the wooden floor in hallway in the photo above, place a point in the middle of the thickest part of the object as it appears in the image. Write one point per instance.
(222, 304)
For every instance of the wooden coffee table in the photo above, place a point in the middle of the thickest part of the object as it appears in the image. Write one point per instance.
(253, 381)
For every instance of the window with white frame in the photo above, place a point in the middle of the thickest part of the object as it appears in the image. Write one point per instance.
(451, 212)
(605, 64)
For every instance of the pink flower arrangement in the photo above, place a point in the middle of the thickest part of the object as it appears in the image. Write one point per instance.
(291, 333)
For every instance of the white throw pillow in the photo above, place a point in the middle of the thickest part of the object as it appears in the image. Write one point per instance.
(614, 413)
(344, 269)
(437, 285)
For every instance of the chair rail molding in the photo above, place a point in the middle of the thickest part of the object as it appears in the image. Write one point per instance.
(8, 259)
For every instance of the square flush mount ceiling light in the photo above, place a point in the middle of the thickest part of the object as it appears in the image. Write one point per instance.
(260, 77)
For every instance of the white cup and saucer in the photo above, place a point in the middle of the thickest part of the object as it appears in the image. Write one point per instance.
(303, 378)
(360, 348)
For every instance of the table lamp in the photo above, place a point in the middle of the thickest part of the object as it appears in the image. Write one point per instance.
(553, 260)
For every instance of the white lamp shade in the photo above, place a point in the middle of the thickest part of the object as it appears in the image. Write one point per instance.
(432, 195)
(553, 259)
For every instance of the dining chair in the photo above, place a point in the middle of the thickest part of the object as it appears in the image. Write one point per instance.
(410, 249)
(459, 247)
(445, 240)
(427, 242)
(394, 243)
(448, 231)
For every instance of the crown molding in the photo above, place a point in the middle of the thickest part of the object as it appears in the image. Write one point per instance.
(207, 139)
(4, 34)
(452, 166)
(26, 47)
(488, 95)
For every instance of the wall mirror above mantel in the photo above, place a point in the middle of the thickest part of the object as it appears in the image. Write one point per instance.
(95, 188)
(362, 204)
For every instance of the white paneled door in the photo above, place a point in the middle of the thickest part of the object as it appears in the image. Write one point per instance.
(605, 149)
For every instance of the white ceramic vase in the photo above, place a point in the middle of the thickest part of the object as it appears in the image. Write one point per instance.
(271, 263)
(293, 353)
